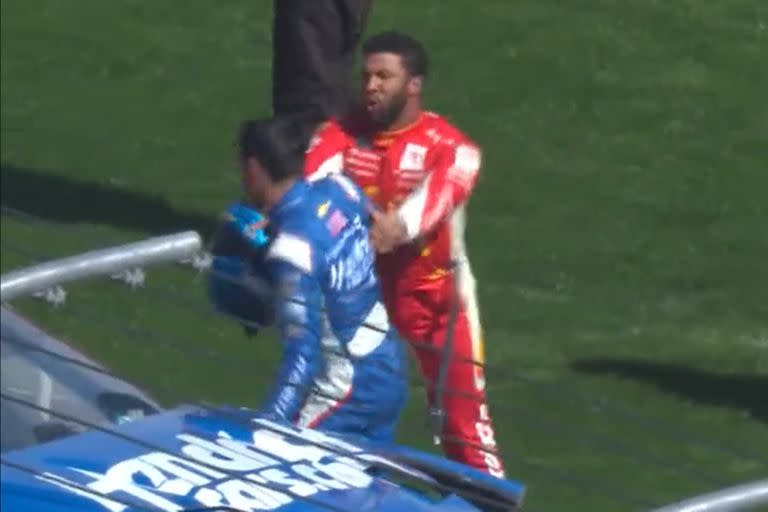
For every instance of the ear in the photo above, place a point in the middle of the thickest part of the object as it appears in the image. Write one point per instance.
(415, 85)
(248, 171)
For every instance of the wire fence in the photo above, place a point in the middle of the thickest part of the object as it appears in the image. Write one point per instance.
(553, 395)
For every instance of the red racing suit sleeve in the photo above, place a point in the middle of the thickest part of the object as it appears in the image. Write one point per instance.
(452, 175)
(325, 154)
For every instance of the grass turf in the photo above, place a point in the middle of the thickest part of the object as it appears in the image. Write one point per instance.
(619, 232)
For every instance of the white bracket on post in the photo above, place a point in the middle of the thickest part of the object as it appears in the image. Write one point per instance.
(201, 261)
(133, 277)
(56, 295)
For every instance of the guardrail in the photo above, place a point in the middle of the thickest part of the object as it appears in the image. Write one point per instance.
(124, 262)
(737, 498)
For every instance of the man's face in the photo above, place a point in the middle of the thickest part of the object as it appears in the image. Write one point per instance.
(386, 87)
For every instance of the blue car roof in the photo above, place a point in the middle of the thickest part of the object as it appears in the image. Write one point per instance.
(194, 457)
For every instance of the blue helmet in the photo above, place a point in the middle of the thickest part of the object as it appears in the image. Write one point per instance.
(238, 284)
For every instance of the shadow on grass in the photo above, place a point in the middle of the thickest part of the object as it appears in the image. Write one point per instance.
(743, 392)
(64, 199)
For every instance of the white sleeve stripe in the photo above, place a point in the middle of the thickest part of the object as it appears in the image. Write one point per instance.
(467, 159)
(293, 250)
(332, 165)
(371, 334)
(412, 210)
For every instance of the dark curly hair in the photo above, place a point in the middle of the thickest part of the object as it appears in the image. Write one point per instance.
(410, 50)
(278, 144)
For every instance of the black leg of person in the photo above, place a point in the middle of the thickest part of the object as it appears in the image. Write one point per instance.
(314, 44)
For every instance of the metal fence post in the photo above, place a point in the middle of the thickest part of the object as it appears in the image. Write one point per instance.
(737, 498)
(101, 262)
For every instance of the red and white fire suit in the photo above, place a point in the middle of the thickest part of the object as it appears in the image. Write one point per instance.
(426, 171)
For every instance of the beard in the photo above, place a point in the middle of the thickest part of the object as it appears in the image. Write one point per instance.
(387, 113)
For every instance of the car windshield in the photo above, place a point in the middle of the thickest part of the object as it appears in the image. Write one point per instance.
(50, 391)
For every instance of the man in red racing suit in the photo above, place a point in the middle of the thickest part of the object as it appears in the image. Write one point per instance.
(419, 170)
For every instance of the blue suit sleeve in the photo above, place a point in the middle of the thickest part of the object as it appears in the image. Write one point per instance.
(298, 308)
(353, 192)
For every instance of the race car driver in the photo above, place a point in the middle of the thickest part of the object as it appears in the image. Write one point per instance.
(419, 171)
(343, 367)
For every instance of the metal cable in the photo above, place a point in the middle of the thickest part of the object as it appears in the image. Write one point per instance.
(617, 447)
(530, 418)
(555, 391)
(551, 389)
(437, 412)
(560, 391)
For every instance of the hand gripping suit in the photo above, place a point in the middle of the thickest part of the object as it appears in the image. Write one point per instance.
(343, 367)
(426, 172)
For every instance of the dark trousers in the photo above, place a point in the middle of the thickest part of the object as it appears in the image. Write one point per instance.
(314, 44)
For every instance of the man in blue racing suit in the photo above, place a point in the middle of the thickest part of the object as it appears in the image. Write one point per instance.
(343, 366)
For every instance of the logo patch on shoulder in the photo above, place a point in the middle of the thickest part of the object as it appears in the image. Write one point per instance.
(322, 210)
(413, 157)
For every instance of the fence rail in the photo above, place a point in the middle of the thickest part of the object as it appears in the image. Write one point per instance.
(741, 497)
(102, 262)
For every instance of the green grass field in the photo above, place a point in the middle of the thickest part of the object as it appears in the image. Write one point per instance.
(619, 232)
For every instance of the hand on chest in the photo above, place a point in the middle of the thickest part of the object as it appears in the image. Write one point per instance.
(387, 174)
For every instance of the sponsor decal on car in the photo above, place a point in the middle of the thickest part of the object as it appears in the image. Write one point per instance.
(280, 466)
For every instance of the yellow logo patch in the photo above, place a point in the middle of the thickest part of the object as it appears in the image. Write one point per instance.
(322, 210)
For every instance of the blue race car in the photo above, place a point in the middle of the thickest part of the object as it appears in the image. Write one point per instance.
(77, 438)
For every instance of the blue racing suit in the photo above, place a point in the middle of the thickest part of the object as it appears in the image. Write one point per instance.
(343, 366)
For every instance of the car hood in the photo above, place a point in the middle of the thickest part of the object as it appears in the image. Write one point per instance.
(198, 458)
